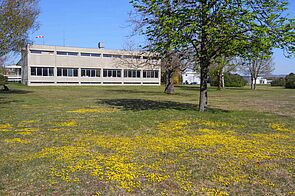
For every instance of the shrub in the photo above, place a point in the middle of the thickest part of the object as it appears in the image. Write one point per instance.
(234, 80)
(290, 81)
(278, 82)
(230, 80)
(3, 80)
(213, 80)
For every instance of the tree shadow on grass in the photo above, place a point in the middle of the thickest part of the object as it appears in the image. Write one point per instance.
(188, 87)
(15, 91)
(142, 104)
(137, 92)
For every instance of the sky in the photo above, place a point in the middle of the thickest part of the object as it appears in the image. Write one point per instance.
(85, 23)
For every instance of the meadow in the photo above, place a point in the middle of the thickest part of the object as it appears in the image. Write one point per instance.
(109, 140)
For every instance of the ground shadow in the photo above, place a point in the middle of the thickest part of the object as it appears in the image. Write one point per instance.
(137, 92)
(142, 104)
(189, 87)
(15, 91)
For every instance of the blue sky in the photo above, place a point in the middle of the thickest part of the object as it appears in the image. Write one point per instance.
(85, 23)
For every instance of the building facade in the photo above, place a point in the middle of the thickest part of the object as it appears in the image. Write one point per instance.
(13, 73)
(191, 77)
(56, 65)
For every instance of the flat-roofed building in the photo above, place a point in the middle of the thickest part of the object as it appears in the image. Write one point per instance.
(13, 73)
(57, 65)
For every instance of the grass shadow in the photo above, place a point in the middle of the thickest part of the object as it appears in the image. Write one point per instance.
(142, 104)
(188, 87)
(15, 91)
(136, 92)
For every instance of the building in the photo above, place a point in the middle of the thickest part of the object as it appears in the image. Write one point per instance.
(56, 65)
(191, 77)
(13, 73)
(259, 80)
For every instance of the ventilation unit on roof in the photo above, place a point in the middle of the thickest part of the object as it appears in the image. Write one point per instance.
(100, 45)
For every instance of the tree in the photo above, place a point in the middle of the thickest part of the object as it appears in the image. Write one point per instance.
(257, 66)
(234, 80)
(17, 17)
(171, 63)
(172, 58)
(222, 65)
(215, 28)
(2, 69)
(290, 81)
(3, 81)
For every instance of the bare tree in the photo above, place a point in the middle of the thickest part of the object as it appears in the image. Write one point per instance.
(17, 18)
(256, 66)
(172, 62)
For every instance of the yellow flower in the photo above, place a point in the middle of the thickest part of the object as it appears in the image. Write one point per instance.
(5, 126)
(17, 140)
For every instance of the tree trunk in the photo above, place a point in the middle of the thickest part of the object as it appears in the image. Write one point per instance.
(204, 59)
(252, 81)
(254, 85)
(222, 79)
(203, 101)
(5, 88)
(169, 89)
(219, 75)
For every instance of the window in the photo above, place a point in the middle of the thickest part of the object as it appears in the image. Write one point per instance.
(90, 54)
(107, 55)
(36, 51)
(116, 73)
(136, 57)
(42, 71)
(95, 54)
(129, 73)
(33, 71)
(67, 53)
(116, 56)
(151, 74)
(131, 57)
(67, 72)
(127, 56)
(73, 53)
(42, 52)
(90, 72)
(85, 54)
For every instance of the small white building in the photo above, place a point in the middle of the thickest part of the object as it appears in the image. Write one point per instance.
(13, 73)
(261, 80)
(191, 77)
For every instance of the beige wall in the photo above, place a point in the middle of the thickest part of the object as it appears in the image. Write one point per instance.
(54, 60)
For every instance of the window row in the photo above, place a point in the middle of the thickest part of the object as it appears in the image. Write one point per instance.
(91, 72)
(64, 53)
(67, 72)
(67, 53)
(42, 71)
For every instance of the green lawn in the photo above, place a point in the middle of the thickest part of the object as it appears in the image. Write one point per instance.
(137, 140)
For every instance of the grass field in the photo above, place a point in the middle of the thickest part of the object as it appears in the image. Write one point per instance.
(138, 140)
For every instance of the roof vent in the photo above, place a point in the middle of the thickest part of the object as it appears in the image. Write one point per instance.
(100, 45)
